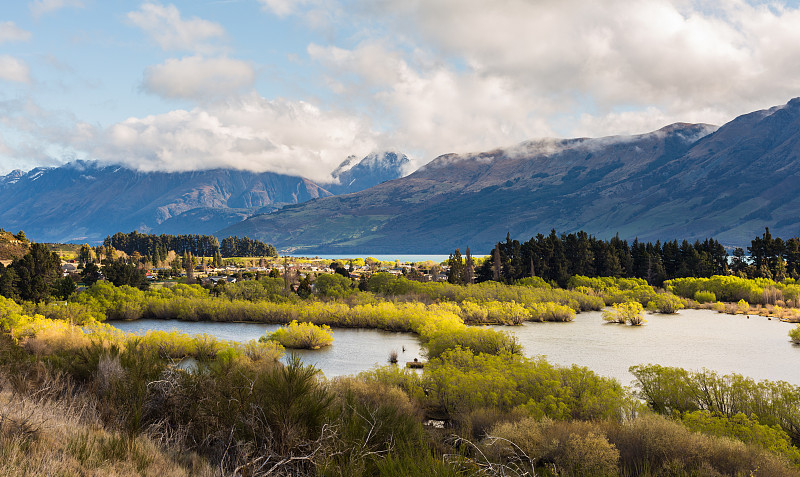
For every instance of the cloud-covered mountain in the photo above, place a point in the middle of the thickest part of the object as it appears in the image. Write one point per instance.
(683, 181)
(354, 175)
(85, 201)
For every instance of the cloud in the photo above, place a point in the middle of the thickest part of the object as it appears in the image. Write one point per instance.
(40, 7)
(458, 74)
(283, 8)
(165, 25)
(434, 108)
(14, 69)
(9, 32)
(249, 133)
(196, 77)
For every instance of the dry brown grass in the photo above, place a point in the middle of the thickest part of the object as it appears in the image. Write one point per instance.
(49, 432)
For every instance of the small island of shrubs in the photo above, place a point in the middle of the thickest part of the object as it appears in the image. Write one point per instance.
(301, 336)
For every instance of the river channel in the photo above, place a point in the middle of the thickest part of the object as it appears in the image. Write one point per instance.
(692, 339)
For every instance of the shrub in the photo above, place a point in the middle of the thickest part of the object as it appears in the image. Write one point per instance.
(666, 303)
(669, 390)
(591, 454)
(745, 429)
(795, 335)
(662, 446)
(476, 340)
(704, 296)
(301, 336)
(629, 312)
(743, 307)
(460, 382)
(550, 311)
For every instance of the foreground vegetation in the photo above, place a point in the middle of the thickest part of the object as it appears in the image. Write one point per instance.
(81, 399)
(78, 397)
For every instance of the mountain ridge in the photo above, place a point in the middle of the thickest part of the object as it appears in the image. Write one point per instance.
(84, 201)
(685, 180)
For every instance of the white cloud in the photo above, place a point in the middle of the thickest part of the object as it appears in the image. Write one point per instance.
(9, 32)
(40, 7)
(250, 133)
(460, 74)
(199, 78)
(165, 25)
(14, 69)
(284, 8)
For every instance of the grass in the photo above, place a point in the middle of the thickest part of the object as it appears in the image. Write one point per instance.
(40, 436)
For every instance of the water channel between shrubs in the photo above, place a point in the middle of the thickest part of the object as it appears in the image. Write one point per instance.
(692, 339)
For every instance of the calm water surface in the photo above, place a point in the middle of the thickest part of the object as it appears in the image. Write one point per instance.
(410, 258)
(692, 339)
(353, 350)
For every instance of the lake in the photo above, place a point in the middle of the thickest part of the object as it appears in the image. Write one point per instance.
(693, 339)
(353, 350)
(410, 258)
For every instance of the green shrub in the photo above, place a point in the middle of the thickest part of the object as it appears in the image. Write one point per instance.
(745, 429)
(476, 340)
(666, 303)
(301, 336)
(550, 311)
(673, 390)
(794, 334)
(742, 307)
(629, 312)
(461, 382)
(704, 296)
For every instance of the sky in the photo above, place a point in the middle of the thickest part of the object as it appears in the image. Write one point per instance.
(297, 86)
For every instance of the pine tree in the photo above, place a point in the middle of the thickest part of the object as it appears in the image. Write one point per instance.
(496, 263)
(469, 268)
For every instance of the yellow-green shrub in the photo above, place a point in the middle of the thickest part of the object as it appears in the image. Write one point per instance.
(629, 312)
(301, 335)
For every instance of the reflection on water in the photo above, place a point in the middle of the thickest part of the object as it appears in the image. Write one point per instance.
(692, 339)
(353, 350)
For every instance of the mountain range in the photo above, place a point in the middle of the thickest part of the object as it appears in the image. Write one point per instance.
(684, 181)
(85, 201)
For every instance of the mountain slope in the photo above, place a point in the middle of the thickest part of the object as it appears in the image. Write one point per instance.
(353, 175)
(683, 181)
(85, 201)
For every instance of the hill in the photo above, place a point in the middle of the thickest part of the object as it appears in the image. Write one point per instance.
(683, 181)
(85, 201)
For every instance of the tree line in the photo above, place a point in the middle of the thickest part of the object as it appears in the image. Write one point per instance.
(157, 247)
(555, 258)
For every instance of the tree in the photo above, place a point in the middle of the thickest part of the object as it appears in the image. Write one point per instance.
(90, 275)
(496, 263)
(456, 272)
(37, 273)
(64, 288)
(469, 268)
(21, 237)
(120, 273)
(84, 255)
(8, 283)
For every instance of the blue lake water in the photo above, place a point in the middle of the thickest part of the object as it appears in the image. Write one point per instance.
(385, 257)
